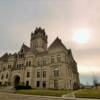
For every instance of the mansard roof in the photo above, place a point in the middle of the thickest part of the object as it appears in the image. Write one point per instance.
(57, 43)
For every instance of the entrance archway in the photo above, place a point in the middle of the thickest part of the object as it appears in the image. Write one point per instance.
(17, 80)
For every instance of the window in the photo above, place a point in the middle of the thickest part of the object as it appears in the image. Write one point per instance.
(38, 74)
(9, 66)
(29, 63)
(44, 61)
(39, 62)
(5, 83)
(56, 72)
(44, 84)
(38, 84)
(27, 83)
(2, 76)
(58, 58)
(52, 59)
(22, 65)
(17, 66)
(28, 74)
(56, 84)
(22, 51)
(21, 56)
(6, 76)
(70, 83)
(44, 74)
(4, 69)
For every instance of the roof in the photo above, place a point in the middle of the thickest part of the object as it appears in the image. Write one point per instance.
(25, 47)
(57, 43)
(4, 57)
(39, 30)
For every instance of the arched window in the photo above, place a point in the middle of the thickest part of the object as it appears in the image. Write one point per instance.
(2, 76)
(7, 76)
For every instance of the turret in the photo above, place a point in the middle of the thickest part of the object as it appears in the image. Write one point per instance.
(38, 40)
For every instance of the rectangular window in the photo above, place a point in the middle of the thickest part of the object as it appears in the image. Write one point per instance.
(44, 84)
(52, 59)
(38, 84)
(56, 73)
(44, 61)
(17, 65)
(58, 58)
(44, 74)
(29, 63)
(39, 62)
(56, 84)
(38, 74)
(9, 66)
(28, 74)
(26, 63)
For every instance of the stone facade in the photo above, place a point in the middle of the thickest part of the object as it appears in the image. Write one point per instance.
(39, 66)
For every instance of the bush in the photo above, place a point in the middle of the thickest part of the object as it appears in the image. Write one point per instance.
(19, 87)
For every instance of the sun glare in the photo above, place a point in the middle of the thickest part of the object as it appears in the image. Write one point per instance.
(81, 36)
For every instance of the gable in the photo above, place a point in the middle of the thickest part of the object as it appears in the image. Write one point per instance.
(24, 49)
(57, 45)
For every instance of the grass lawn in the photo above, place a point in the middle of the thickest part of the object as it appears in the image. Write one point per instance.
(88, 93)
(44, 92)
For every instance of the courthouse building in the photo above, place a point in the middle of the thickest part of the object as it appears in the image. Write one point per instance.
(40, 66)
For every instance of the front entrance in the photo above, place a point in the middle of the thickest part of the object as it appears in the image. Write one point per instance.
(17, 80)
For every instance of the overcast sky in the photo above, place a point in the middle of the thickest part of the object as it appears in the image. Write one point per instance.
(18, 18)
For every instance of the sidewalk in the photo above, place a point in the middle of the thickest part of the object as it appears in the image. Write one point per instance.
(71, 96)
